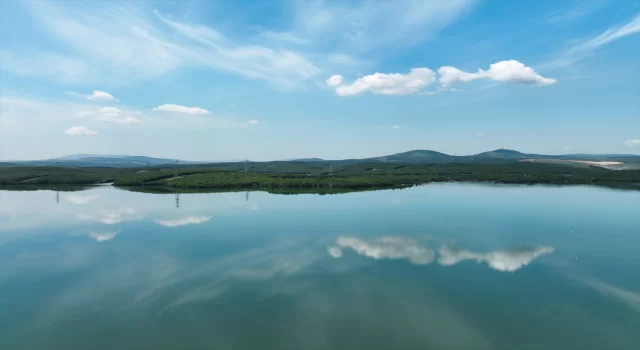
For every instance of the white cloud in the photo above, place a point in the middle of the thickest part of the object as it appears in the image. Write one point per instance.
(510, 71)
(395, 127)
(110, 114)
(80, 130)
(480, 134)
(388, 248)
(387, 84)
(254, 122)
(181, 109)
(334, 80)
(82, 199)
(114, 216)
(190, 220)
(515, 72)
(103, 236)
(507, 260)
(96, 95)
(451, 75)
(632, 142)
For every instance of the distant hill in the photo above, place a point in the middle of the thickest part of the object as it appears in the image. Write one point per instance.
(111, 161)
(498, 156)
(81, 156)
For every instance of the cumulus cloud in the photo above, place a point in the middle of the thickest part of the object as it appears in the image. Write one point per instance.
(451, 75)
(510, 71)
(82, 199)
(253, 122)
(632, 142)
(385, 248)
(80, 130)
(334, 80)
(181, 109)
(385, 84)
(103, 236)
(190, 220)
(110, 114)
(501, 260)
(111, 217)
(96, 95)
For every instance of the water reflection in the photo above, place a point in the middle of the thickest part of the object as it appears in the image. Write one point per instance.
(81, 199)
(385, 248)
(112, 216)
(112, 265)
(103, 236)
(397, 247)
(502, 260)
(189, 220)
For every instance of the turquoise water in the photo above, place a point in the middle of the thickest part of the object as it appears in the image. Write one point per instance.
(442, 266)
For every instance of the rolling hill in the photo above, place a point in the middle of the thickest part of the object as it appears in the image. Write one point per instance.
(499, 156)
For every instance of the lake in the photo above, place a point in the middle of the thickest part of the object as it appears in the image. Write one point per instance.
(440, 266)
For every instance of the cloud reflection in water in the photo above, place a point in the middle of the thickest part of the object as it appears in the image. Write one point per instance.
(410, 249)
(189, 220)
(385, 248)
(501, 260)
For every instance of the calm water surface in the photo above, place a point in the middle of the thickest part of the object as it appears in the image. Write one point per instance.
(443, 266)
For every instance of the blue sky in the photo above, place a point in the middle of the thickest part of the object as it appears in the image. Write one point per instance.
(333, 79)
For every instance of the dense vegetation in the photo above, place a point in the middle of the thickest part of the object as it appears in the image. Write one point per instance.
(314, 175)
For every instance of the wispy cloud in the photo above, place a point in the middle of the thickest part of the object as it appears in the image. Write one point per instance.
(363, 26)
(181, 109)
(110, 114)
(480, 134)
(632, 142)
(395, 126)
(80, 130)
(285, 37)
(608, 36)
(121, 43)
(582, 10)
(190, 220)
(253, 122)
(582, 49)
(125, 43)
